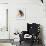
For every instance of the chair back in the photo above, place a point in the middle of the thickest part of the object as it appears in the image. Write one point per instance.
(33, 28)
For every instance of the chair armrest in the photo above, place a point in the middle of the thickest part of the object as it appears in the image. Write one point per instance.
(22, 35)
(24, 32)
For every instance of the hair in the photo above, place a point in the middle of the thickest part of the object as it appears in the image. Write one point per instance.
(42, 1)
(21, 12)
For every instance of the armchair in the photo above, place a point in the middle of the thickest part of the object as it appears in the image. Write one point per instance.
(33, 30)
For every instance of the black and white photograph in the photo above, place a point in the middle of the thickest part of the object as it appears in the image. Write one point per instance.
(22, 22)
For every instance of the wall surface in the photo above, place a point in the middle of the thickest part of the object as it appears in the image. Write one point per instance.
(35, 13)
(31, 9)
(3, 1)
(4, 34)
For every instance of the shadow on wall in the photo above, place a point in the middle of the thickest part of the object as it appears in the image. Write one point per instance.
(41, 34)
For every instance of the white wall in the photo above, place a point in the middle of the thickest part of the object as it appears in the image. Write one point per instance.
(35, 12)
(3, 21)
(3, 1)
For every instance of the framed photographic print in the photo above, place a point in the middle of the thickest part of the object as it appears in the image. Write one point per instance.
(20, 13)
